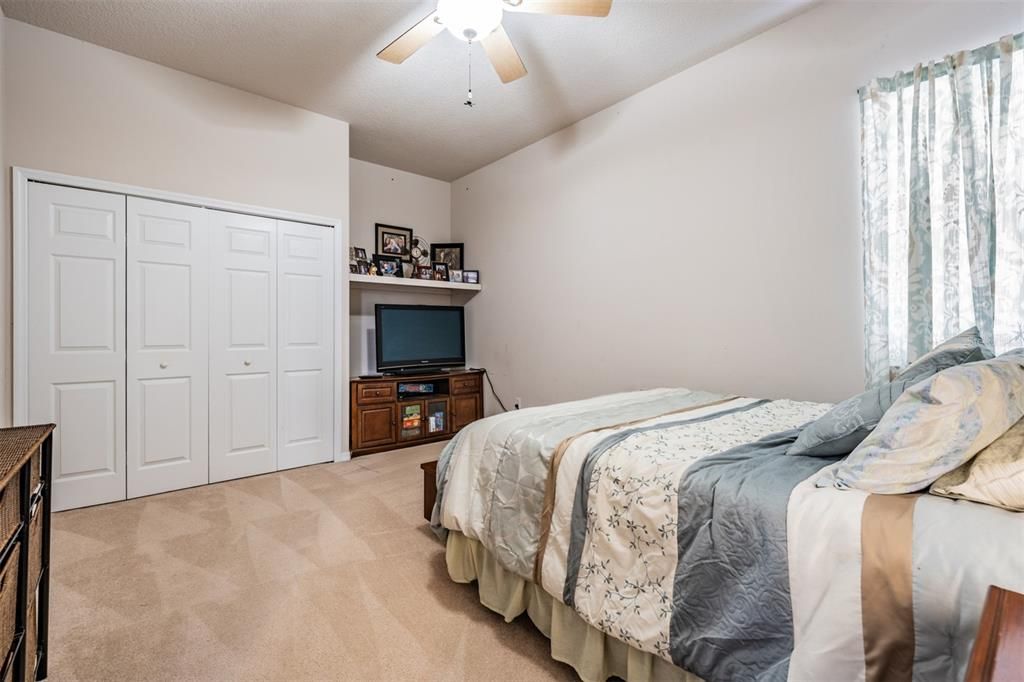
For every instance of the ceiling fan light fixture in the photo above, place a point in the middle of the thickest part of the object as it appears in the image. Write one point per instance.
(470, 20)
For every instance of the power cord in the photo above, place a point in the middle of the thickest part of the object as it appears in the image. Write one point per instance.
(491, 384)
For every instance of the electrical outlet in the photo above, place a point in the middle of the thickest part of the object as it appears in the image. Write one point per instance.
(517, 403)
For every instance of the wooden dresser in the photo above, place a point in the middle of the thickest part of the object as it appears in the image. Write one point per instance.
(396, 412)
(25, 478)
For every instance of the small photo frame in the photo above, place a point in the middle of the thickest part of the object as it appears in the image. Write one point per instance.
(394, 241)
(388, 266)
(423, 272)
(456, 275)
(352, 268)
(440, 272)
(451, 255)
(359, 253)
(362, 267)
(471, 276)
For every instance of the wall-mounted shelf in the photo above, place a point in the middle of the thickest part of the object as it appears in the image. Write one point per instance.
(408, 284)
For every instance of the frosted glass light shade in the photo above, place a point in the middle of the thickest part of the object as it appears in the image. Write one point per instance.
(470, 19)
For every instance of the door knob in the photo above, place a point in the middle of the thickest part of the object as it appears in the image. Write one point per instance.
(163, 365)
(247, 363)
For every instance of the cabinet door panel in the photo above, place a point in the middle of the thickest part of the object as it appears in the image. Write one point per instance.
(168, 346)
(376, 426)
(243, 345)
(76, 338)
(465, 409)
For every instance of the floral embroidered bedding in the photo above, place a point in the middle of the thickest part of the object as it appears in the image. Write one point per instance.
(675, 521)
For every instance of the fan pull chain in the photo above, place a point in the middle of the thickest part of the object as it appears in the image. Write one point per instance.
(469, 99)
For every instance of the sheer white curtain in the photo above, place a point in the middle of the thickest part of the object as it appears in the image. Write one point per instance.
(943, 204)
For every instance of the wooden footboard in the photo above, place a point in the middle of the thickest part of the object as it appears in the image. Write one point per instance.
(429, 487)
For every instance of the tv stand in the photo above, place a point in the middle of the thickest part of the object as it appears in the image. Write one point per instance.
(392, 412)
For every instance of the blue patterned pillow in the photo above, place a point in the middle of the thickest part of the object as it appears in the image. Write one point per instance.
(935, 426)
(965, 347)
(841, 429)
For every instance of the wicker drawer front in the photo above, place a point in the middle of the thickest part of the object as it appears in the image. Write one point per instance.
(465, 385)
(9, 598)
(35, 547)
(10, 510)
(375, 393)
(31, 640)
(35, 471)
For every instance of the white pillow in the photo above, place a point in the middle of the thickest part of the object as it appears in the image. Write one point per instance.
(935, 426)
(995, 476)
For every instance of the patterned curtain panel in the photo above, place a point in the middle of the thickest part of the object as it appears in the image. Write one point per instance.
(943, 205)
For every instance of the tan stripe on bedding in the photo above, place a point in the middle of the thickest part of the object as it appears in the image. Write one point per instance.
(887, 534)
(556, 459)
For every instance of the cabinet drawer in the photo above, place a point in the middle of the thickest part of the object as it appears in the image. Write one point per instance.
(35, 546)
(10, 509)
(466, 384)
(9, 597)
(367, 394)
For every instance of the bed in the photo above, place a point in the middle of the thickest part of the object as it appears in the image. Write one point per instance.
(666, 534)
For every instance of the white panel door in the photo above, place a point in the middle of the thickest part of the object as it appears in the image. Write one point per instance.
(76, 336)
(305, 338)
(168, 339)
(243, 345)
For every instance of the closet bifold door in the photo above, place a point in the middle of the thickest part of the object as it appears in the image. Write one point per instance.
(305, 403)
(167, 346)
(243, 345)
(76, 338)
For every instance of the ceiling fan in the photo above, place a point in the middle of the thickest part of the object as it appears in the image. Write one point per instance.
(480, 21)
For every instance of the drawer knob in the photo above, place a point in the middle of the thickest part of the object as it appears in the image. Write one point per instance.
(163, 365)
(247, 362)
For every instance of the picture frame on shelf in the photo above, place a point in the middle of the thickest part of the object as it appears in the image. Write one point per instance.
(394, 241)
(358, 254)
(352, 268)
(471, 276)
(362, 267)
(423, 272)
(440, 272)
(388, 266)
(456, 275)
(452, 255)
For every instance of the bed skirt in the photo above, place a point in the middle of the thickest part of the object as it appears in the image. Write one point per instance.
(595, 655)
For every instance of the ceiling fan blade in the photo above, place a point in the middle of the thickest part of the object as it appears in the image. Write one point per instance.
(578, 8)
(503, 56)
(410, 41)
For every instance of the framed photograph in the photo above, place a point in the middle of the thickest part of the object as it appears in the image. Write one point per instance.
(423, 272)
(358, 253)
(449, 254)
(394, 241)
(362, 267)
(352, 268)
(388, 266)
(471, 276)
(441, 272)
(456, 275)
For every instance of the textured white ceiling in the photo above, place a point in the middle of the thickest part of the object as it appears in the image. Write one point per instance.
(319, 55)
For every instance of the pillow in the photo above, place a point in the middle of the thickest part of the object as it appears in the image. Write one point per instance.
(963, 348)
(995, 476)
(841, 429)
(935, 426)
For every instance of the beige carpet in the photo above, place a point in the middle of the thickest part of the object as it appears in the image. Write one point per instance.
(325, 572)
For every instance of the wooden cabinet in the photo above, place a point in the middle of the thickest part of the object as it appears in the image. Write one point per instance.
(390, 412)
(465, 410)
(25, 481)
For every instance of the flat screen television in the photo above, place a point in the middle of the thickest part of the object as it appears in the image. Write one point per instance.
(411, 337)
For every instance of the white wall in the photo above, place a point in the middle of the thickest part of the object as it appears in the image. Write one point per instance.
(393, 197)
(76, 108)
(706, 231)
